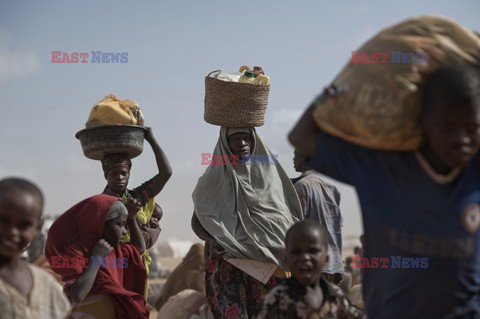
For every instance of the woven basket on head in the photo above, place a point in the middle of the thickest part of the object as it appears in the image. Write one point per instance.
(233, 104)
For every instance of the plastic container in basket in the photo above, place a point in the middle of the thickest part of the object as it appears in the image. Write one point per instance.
(234, 104)
(101, 140)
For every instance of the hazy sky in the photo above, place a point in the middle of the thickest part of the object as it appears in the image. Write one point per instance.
(171, 46)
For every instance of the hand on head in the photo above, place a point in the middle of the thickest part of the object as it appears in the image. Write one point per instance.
(149, 135)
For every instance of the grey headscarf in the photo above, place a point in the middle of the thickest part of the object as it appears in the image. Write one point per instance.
(247, 208)
(117, 209)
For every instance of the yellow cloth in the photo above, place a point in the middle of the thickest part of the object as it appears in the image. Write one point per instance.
(143, 216)
(112, 110)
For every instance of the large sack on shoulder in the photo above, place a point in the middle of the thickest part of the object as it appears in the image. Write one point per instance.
(378, 105)
(112, 110)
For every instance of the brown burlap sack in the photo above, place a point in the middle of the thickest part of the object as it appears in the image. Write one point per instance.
(379, 104)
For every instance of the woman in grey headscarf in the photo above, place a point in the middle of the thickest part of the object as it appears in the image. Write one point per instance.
(243, 209)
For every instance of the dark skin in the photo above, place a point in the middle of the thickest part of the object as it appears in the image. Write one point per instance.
(300, 166)
(304, 133)
(153, 223)
(238, 143)
(20, 222)
(136, 237)
(212, 248)
(84, 283)
(156, 217)
(298, 161)
(113, 232)
(306, 254)
(452, 135)
(117, 178)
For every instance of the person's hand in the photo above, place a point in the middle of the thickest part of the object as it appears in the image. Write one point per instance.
(149, 135)
(102, 248)
(133, 206)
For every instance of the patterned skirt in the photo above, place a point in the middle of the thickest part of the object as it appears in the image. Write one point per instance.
(231, 293)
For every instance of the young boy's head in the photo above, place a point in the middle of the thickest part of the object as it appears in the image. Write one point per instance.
(306, 251)
(21, 208)
(451, 116)
(299, 161)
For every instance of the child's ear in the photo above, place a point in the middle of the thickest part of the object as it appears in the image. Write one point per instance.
(327, 258)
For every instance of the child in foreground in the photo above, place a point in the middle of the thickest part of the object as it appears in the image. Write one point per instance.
(419, 204)
(306, 294)
(26, 291)
(93, 229)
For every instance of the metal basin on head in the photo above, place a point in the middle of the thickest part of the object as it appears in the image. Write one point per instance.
(101, 140)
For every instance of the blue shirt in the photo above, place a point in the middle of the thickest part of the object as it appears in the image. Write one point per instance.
(320, 202)
(408, 212)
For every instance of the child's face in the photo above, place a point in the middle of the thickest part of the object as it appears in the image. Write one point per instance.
(117, 179)
(114, 230)
(453, 133)
(306, 254)
(298, 159)
(157, 212)
(20, 221)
